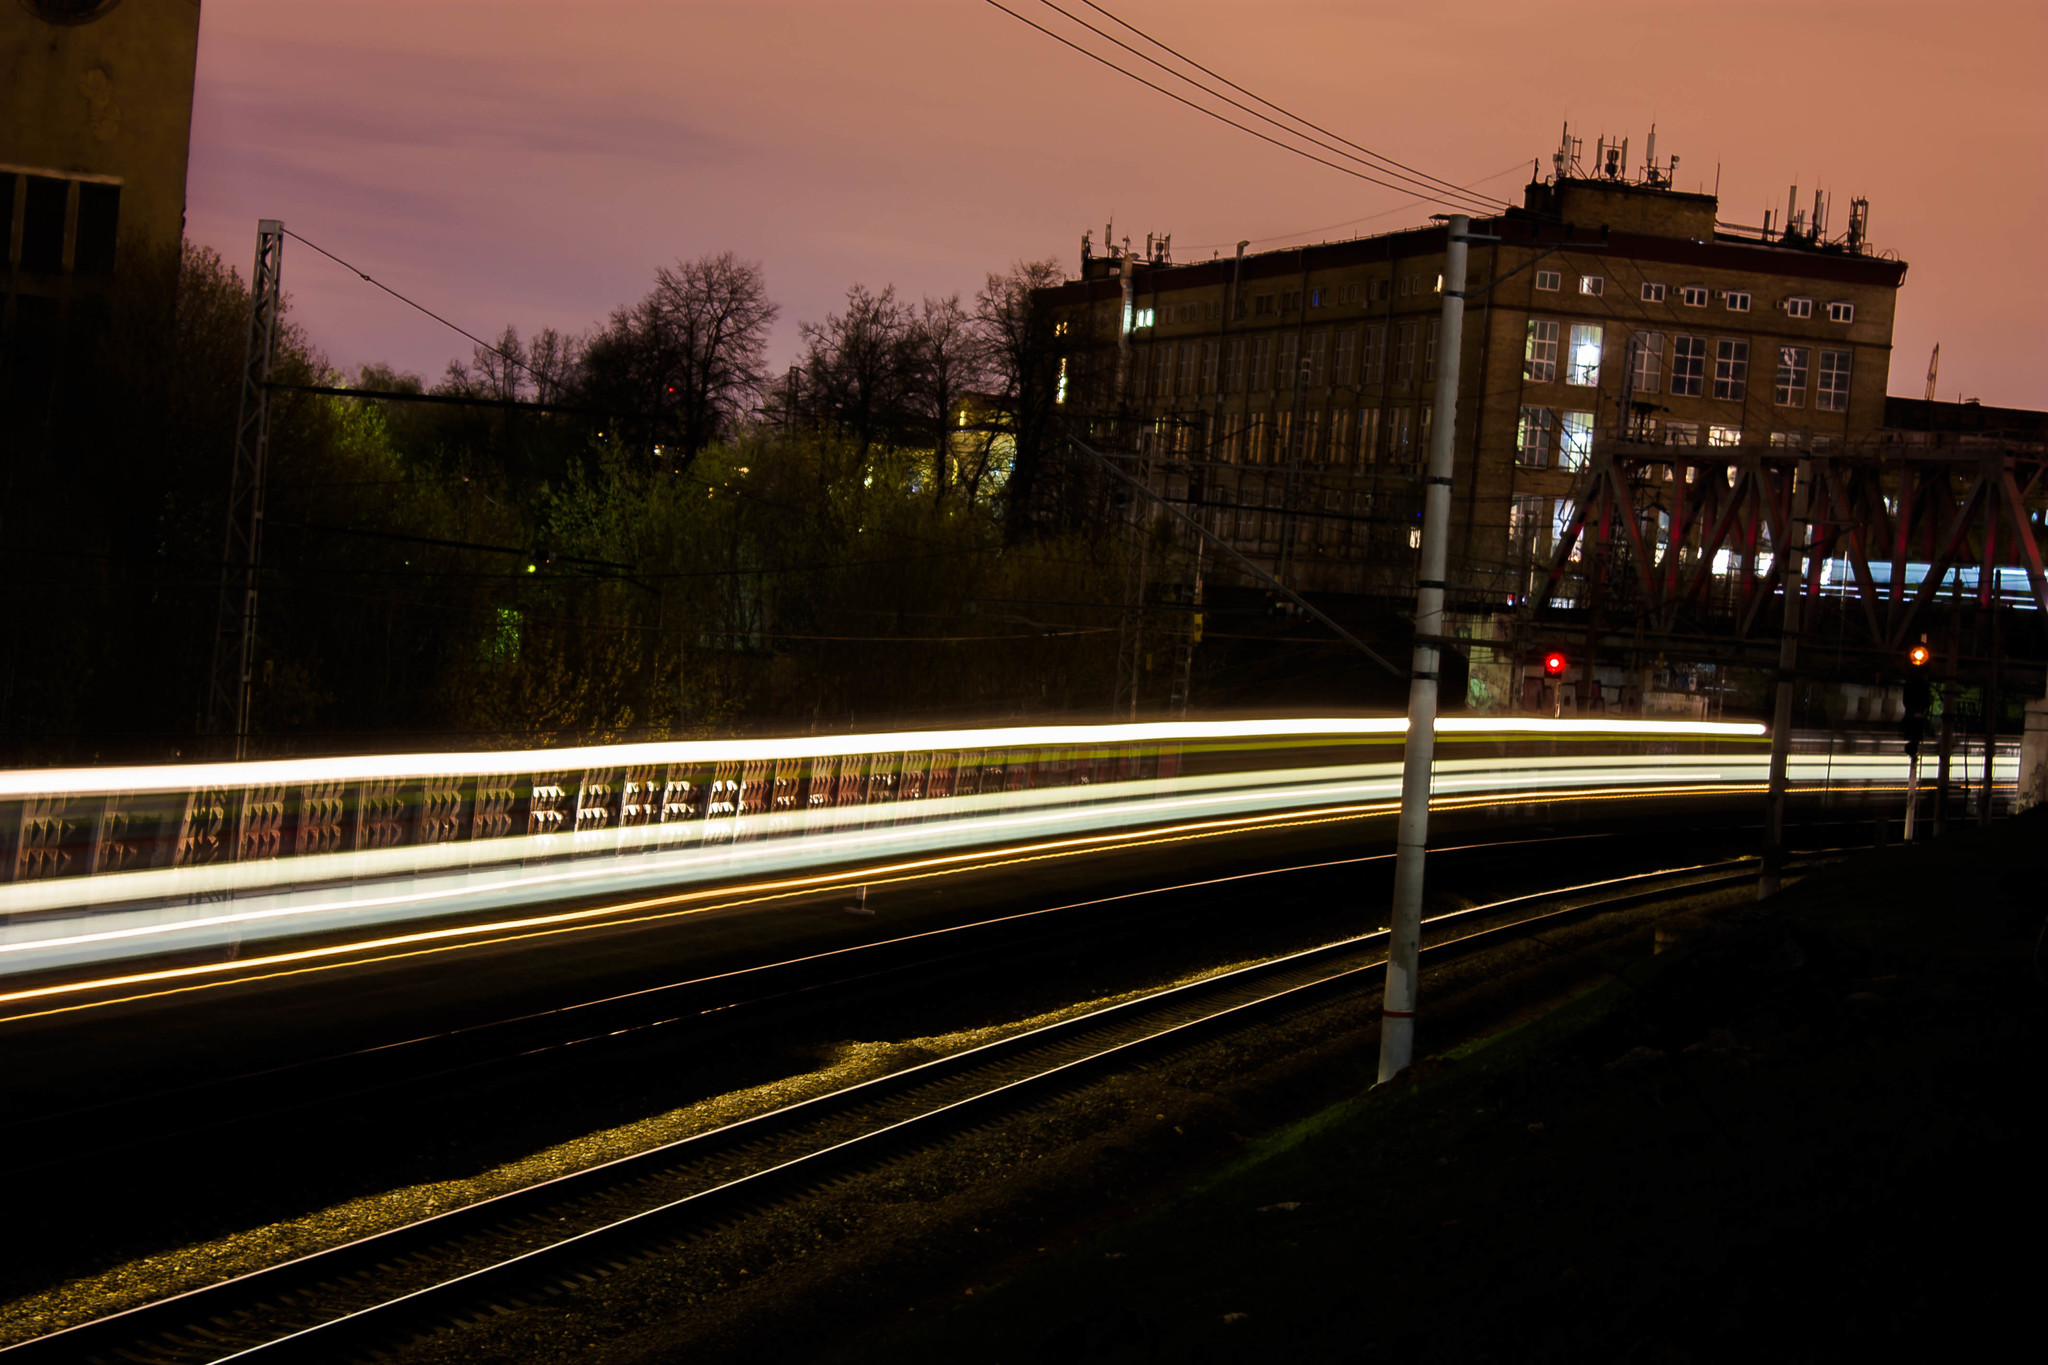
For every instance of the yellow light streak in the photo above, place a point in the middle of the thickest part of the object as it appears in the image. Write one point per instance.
(433, 942)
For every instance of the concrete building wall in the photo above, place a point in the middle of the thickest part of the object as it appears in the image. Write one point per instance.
(96, 93)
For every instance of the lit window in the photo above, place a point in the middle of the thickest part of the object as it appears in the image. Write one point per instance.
(1532, 437)
(1731, 370)
(1439, 284)
(1790, 391)
(1688, 366)
(1737, 300)
(1798, 308)
(1548, 280)
(1595, 285)
(1693, 296)
(1575, 443)
(1681, 433)
(1539, 353)
(1584, 370)
(1144, 317)
(1059, 329)
(1841, 312)
(1724, 436)
(1834, 382)
(1647, 362)
(1653, 293)
(1784, 440)
(1060, 394)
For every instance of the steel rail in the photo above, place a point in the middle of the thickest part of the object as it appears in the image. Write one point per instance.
(225, 1321)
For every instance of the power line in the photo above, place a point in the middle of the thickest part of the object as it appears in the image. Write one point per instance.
(1431, 185)
(1377, 156)
(363, 275)
(1211, 113)
(1351, 222)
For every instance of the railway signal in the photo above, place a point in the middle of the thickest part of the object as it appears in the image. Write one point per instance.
(1554, 664)
(1918, 696)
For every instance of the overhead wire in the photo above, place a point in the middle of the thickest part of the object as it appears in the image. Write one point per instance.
(1337, 166)
(1431, 185)
(1307, 123)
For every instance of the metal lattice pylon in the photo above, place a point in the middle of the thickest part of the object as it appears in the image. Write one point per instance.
(234, 641)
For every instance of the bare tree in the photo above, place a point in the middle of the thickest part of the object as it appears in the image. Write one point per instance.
(1020, 353)
(693, 348)
(946, 364)
(857, 367)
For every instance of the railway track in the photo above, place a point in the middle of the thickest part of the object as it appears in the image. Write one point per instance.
(531, 1245)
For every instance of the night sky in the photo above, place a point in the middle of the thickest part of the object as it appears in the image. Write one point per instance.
(533, 162)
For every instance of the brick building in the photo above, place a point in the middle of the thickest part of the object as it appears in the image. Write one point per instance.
(1285, 396)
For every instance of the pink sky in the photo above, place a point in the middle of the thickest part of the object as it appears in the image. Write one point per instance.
(533, 161)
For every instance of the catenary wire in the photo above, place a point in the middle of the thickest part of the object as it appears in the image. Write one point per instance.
(1211, 113)
(1307, 123)
(1429, 184)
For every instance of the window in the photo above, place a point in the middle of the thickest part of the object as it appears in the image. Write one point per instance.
(1575, 444)
(1162, 371)
(1724, 436)
(1209, 357)
(1593, 285)
(1375, 367)
(1263, 304)
(1347, 356)
(1285, 359)
(1693, 296)
(1439, 284)
(1731, 370)
(1647, 362)
(1368, 434)
(1381, 290)
(1233, 371)
(1312, 448)
(1798, 308)
(1790, 391)
(99, 218)
(1681, 433)
(1688, 366)
(1404, 353)
(1653, 293)
(1548, 280)
(1429, 351)
(1290, 301)
(1401, 434)
(1784, 440)
(1059, 394)
(1316, 297)
(1528, 519)
(42, 224)
(1841, 312)
(1539, 353)
(1282, 424)
(1584, 370)
(1317, 362)
(1736, 299)
(1144, 317)
(1834, 382)
(1532, 437)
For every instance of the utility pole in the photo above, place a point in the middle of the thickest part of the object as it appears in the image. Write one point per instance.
(1793, 577)
(234, 640)
(1404, 941)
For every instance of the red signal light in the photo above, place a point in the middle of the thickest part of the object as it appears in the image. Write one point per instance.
(1554, 663)
(1917, 656)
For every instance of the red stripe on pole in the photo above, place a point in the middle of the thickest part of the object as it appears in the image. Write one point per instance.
(1397, 1014)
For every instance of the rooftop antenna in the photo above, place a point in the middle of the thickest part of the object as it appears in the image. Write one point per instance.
(1650, 157)
(1792, 210)
(1816, 215)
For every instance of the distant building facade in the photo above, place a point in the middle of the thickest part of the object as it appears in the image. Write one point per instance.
(1285, 396)
(95, 129)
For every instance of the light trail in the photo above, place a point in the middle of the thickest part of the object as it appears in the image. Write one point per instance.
(366, 767)
(434, 942)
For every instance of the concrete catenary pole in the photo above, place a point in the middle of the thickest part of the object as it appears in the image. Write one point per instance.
(1793, 576)
(1404, 941)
